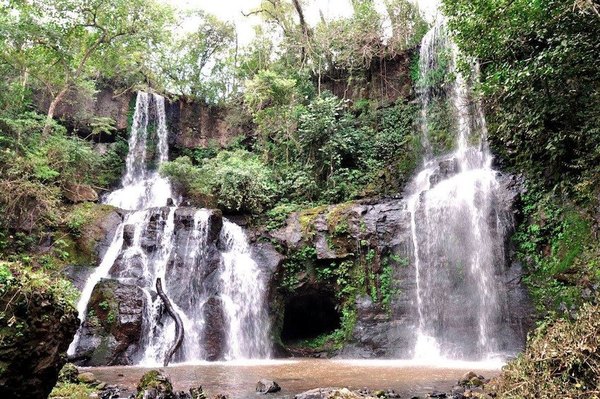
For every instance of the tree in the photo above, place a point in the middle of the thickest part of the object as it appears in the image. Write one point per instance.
(63, 44)
(195, 64)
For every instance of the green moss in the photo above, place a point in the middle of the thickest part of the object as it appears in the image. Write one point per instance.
(154, 379)
(69, 390)
(83, 226)
(556, 243)
(307, 220)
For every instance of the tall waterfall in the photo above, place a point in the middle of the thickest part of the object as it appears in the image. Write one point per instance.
(457, 225)
(179, 246)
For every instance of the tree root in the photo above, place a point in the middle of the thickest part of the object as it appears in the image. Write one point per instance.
(175, 316)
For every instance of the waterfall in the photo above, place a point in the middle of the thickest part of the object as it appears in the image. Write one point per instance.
(457, 225)
(243, 295)
(142, 186)
(210, 288)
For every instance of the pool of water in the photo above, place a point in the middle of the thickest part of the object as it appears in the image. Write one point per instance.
(238, 379)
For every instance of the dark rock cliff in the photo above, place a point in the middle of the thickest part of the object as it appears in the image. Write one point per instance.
(36, 327)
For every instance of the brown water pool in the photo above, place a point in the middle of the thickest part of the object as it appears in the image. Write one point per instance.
(238, 379)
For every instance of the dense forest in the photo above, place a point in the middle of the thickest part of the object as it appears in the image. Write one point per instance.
(317, 114)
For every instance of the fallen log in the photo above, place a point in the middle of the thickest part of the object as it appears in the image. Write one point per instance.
(178, 323)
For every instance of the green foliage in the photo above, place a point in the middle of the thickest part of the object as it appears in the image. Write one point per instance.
(541, 84)
(70, 390)
(556, 244)
(387, 288)
(37, 170)
(325, 152)
(196, 63)
(238, 180)
(277, 216)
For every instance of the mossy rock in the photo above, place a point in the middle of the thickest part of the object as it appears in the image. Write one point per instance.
(157, 381)
(68, 374)
(87, 224)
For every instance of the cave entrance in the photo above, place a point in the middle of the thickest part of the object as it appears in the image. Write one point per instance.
(308, 316)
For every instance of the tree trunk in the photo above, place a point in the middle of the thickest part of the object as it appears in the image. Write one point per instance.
(52, 108)
(178, 323)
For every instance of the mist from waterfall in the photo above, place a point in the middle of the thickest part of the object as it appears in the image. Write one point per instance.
(457, 224)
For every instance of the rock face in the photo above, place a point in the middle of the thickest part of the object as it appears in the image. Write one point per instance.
(111, 333)
(386, 80)
(375, 239)
(78, 109)
(198, 125)
(34, 344)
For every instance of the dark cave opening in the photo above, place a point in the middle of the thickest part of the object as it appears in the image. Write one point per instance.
(309, 316)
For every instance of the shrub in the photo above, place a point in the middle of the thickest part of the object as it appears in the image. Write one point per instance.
(561, 361)
(238, 180)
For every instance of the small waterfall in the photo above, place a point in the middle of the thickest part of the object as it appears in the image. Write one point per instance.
(142, 186)
(140, 190)
(215, 292)
(243, 295)
(457, 224)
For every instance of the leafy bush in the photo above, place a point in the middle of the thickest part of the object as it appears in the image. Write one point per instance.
(556, 243)
(561, 361)
(36, 170)
(238, 180)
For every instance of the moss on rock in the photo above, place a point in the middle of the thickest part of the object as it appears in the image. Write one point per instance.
(37, 322)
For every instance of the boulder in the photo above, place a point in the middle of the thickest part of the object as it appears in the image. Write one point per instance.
(111, 332)
(317, 393)
(267, 386)
(68, 373)
(86, 378)
(155, 385)
(34, 344)
(76, 193)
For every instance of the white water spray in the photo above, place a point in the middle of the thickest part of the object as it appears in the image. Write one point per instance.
(456, 234)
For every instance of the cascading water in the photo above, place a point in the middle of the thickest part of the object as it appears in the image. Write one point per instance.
(179, 246)
(243, 294)
(141, 189)
(457, 226)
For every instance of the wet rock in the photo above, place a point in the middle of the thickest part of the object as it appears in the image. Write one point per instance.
(112, 329)
(317, 393)
(155, 385)
(86, 378)
(267, 386)
(197, 393)
(446, 168)
(214, 334)
(266, 257)
(471, 379)
(438, 395)
(128, 234)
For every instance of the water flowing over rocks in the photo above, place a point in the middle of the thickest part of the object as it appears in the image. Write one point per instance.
(212, 286)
